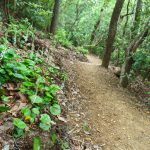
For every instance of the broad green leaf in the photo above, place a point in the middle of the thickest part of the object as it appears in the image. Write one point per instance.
(32, 119)
(36, 143)
(44, 126)
(53, 88)
(19, 123)
(5, 98)
(49, 95)
(45, 118)
(19, 76)
(36, 111)
(26, 111)
(36, 99)
(9, 54)
(29, 62)
(3, 108)
(18, 132)
(28, 84)
(55, 109)
(2, 71)
(54, 137)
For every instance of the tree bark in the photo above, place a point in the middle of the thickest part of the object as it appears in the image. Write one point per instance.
(129, 60)
(3, 5)
(95, 28)
(124, 29)
(137, 17)
(112, 32)
(55, 17)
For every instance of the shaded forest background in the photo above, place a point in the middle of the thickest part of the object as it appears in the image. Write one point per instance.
(85, 24)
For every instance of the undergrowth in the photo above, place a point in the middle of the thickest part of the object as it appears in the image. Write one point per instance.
(27, 77)
(31, 82)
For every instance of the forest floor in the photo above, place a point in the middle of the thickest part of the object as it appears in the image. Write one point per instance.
(107, 115)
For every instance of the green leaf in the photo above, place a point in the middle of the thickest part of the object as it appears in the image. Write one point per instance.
(32, 119)
(36, 99)
(28, 84)
(2, 71)
(26, 111)
(5, 98)
(44, 126)
(54, 137)
(2, 48)
(45, 122)
(9, 54)
(31, 55)
(45, 118)
(19, 76)
(53, 88)
(19, 123)
(55, 109)
(40, 80)
(36, 143)
(36, 111)
(49, 95)
(29, 62)
(47, 99)
(18, 132)
(3, 108)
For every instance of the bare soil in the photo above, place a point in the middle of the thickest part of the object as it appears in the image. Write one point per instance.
(107, 114)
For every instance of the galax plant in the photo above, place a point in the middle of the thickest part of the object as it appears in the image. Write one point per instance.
(39, 89)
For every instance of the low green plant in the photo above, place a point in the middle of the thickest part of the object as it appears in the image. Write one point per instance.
(45, 122)
(82, 50)
(4, 108)
(61, 37)
(86, 127)
(39, 89)
(20, 32)
(19, 123)
(36, 143)
(142, 63)
(55, 70)
(55, 109)
(64, 144)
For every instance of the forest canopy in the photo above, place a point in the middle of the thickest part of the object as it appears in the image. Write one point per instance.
(116, 31)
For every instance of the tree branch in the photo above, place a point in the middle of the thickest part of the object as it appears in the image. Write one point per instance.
(122, 16)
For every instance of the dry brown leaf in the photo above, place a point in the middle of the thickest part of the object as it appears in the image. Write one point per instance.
(61, 119)
(10, 87)
(22, 97)
(18, 105)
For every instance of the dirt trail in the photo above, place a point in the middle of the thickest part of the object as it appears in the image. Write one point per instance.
(115, 121)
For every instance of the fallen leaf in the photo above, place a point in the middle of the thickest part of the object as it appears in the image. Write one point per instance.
(10, 87)
(18, 105)
(61, 119)
(22, 97)
(4, 128)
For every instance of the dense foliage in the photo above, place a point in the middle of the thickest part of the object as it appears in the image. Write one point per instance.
(77, 20)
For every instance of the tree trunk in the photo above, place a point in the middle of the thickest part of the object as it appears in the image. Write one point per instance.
(112, 32)
(129, 60)
(125, 71)
(137, 17)
(95, 28)
(55, 17)
(3, 5)
(124, 29)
